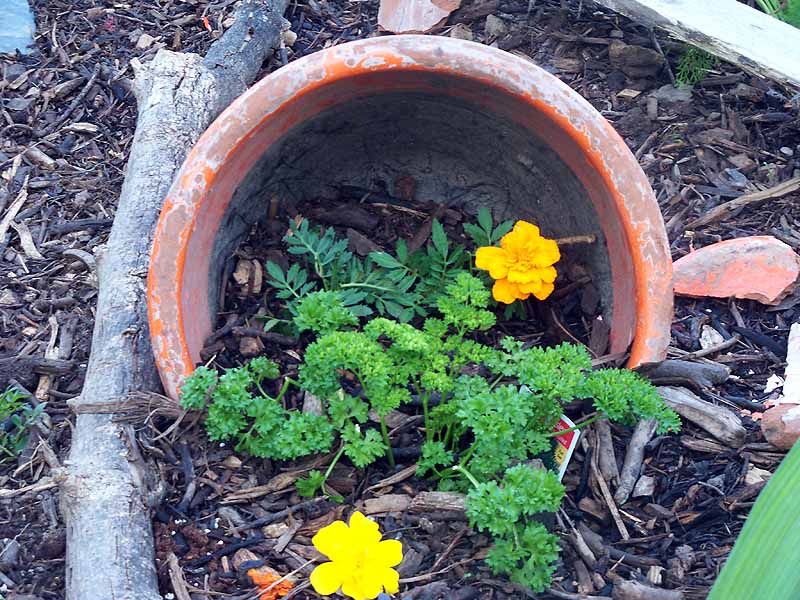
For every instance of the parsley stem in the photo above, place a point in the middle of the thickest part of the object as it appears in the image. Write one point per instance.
(466, 474)
(287, 381)
(335, 460)
(387, 441)
(578, 426)
(428, 428)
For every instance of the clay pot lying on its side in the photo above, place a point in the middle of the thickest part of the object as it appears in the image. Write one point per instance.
(470, 124)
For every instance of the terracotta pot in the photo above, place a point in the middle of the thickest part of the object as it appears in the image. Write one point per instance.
(471, 125)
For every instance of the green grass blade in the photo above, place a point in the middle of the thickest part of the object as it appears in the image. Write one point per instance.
(763, 563)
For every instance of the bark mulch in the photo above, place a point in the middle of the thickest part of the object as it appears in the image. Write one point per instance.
(67, 122)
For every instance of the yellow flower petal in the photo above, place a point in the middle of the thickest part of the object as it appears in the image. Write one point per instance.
(334, 541)
(523, 275)
(547, 289)
(388, 553)
(363, 531)
(326, 578)
(548, 274)
(529, 229)
(504, 291)
(547, 253)
(492, 259)
(518, 239)
(391, 580)
(532, 287)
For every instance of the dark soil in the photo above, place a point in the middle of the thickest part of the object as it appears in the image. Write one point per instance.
(64, 140)
(248, 301)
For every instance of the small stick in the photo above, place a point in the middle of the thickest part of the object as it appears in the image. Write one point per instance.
(661, 52)
(176, 578)
(713, 349)
(632, 465)
(73, 105)
(577, 239)
(612, 506)
(448, 550)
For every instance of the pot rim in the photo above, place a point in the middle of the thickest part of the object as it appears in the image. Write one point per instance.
(607, 154)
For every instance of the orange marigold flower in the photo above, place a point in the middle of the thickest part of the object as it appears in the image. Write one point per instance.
(270, 583)
(522, 265)
(361, 564)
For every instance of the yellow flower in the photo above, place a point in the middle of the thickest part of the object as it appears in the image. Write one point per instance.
(361, 564)
(523, 265)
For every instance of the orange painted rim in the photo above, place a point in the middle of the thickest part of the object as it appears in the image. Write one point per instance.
(179, 314)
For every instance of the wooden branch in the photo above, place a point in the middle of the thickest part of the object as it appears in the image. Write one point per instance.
(716, 420)
(726, 209)
(110, 550)
(741, 35)
(632, 466)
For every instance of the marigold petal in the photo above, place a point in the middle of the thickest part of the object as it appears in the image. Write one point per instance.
(492, 259)
(523, 275)
(547, 253)
(504, 291)
(334, 541)
(388, 553)
(531, 287)
(391, 580)
(326, 578)
(364, 532)
(529, 230)
(548, 274)
(547, 289)
(364, 586)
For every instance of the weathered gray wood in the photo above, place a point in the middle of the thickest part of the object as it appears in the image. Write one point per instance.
(756, 42)
(632, 466)
(104, 488)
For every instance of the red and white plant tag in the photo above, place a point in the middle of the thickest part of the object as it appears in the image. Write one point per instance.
(565, 444)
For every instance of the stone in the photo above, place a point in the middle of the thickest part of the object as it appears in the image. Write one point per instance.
(755, 475)
(760, 268)
(9, 554)
(461, 31)
(645, 486)
(145, 41)
(495, 27)
(781, 425)
(414, 16)
(628, 94)
(250, 346)
(743, 163)
(634, 61)
(710, 337)
(669, 94)
(248, 271)
(736, 178)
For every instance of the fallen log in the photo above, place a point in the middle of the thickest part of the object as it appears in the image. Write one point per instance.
(748, 38)
(110, 550)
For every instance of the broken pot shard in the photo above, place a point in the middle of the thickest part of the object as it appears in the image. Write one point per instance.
(414, 16)
(755, 268)
(781, 425)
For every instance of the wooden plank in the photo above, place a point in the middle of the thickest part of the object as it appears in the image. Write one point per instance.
(756, 42)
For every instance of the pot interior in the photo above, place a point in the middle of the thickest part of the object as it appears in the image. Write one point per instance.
(465, 144)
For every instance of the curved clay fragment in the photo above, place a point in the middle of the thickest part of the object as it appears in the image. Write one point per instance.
(759, 268)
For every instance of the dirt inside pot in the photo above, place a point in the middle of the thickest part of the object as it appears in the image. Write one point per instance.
(403, 148)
